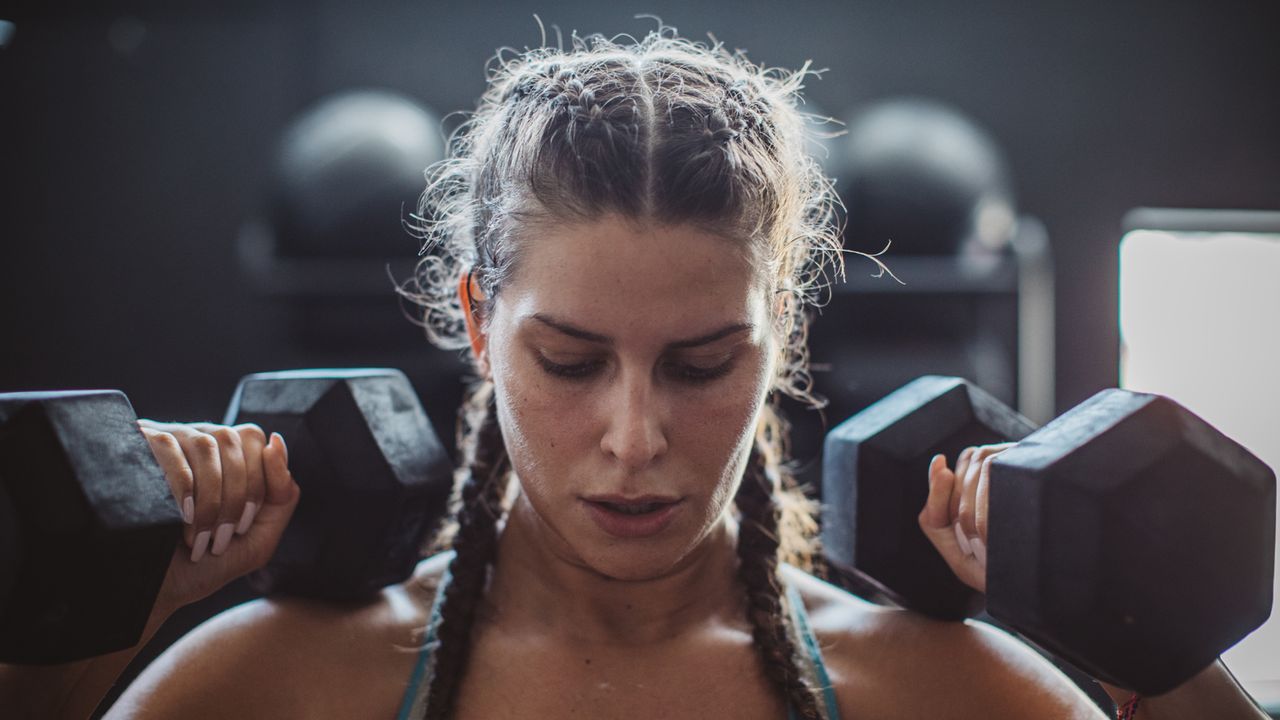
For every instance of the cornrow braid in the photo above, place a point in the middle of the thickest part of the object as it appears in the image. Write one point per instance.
(758, 569)
(479, 501)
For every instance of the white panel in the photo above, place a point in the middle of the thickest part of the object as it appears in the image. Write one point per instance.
(1200, 322)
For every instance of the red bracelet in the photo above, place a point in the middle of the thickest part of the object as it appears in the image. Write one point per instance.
(1129, 710)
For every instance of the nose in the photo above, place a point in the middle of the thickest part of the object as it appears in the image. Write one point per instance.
(634, 432)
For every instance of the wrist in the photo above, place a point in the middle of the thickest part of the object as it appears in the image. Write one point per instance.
(1127, 701)
(1212, 692)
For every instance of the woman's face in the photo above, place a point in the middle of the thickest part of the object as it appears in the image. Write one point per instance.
(631, 364)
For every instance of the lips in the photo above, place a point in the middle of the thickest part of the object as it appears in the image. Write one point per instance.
(633, 517)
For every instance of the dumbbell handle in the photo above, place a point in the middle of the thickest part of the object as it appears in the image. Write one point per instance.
(370, 456)
(875, 470)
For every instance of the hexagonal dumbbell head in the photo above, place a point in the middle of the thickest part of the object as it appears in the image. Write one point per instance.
(875, 482)
(97, 525)
(1132, 538)
(374, 477)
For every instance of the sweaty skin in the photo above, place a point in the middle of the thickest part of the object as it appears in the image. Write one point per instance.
(576, 622)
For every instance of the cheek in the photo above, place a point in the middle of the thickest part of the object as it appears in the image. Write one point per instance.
(542, 422)
(717, 425)
(553, 428)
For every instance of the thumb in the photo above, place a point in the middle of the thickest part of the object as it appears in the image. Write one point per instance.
(938, 526)
(937, 507)
(935, 518)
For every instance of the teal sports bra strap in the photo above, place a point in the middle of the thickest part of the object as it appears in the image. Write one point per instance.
(415, 696)
(809, 645)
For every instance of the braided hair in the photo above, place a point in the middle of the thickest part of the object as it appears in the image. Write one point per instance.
(473, 535)
(659, 128)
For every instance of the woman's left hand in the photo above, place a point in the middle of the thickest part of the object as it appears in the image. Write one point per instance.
(954, 517)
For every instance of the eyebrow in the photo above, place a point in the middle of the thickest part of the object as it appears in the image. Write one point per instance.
(577, 332)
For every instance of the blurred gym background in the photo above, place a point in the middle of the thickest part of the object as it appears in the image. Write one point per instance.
(193, 192)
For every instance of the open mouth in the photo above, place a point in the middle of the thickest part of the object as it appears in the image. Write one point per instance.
(637, 518)
(633, 509)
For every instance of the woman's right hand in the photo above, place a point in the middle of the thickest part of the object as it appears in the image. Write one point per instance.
(236, 495)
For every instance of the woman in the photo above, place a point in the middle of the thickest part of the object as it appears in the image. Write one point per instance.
(626, 237)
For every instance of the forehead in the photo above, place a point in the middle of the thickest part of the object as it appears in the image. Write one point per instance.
(613, 273)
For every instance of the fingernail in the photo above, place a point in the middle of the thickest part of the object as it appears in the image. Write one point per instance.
(964, 541)
(222, 538)
(246, 518)
(188, 510)
(979, 550)
(283, 447)
(201, 544)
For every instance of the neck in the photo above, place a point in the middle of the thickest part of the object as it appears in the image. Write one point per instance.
(537, 587)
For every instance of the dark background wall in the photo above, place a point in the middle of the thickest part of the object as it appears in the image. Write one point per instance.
(136, 139)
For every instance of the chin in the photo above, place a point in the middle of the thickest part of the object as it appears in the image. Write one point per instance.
(639, 559)
(632, 564)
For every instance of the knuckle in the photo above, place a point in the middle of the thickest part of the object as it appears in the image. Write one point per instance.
(184, 478)
(252, 432)
(165, 441)
(226, 436)
(203, 442)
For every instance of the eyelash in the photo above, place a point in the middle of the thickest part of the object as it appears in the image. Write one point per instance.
(684, 373)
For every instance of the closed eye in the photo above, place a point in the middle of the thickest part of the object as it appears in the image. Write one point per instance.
(696, 374)
(683, 372)
(577, 371)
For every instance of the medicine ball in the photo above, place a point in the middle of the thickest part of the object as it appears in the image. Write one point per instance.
(343, 170)
(924, 176)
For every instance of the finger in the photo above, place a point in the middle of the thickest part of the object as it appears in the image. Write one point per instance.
(982, 498)
(281, 488)
(946, 541)
(252, 440)
(206, 462)
(962, 467)
(278, 506)
(177, 473)
(936, 512)
(969, 493)
(231, 454)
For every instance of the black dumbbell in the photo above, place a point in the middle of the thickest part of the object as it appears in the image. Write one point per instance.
(374, 477)
(874, 469)
(97, 525)
(1126, 530)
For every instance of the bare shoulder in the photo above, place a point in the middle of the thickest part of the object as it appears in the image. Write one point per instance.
(879, 657)
(291, 657)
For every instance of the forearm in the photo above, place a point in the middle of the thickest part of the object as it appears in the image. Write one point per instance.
(70, 691)
(1211, 693)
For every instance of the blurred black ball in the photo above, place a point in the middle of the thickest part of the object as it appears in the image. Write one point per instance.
(927, 178)
(344, 169)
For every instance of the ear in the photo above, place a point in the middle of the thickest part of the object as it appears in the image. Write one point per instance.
(469, 297)
(780, 303)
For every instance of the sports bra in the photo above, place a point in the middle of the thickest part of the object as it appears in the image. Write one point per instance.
(415, 696)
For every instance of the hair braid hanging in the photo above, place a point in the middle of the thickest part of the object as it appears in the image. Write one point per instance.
(474, 544)
(758, 552)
